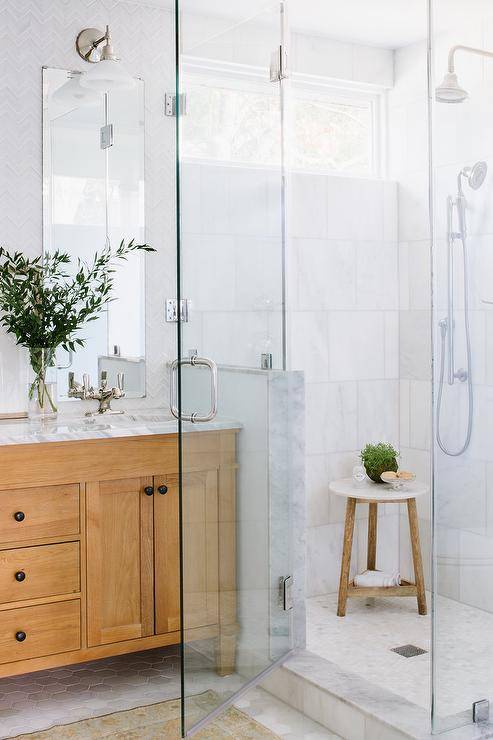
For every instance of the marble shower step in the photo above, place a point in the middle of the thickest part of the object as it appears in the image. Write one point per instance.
(353, 708)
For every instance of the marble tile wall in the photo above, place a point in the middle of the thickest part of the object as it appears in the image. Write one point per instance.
(343, 325)
(270, 512)
(408, 164)
(232, 261)
(464, 486)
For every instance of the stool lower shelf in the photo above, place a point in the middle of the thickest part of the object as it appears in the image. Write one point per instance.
(405, 589)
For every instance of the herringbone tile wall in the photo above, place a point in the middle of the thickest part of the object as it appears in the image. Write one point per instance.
(37, 33)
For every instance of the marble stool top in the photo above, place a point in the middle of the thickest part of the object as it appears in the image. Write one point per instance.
(379, 492)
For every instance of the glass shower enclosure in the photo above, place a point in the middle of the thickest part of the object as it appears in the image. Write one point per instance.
(461, 73)
(228, 378)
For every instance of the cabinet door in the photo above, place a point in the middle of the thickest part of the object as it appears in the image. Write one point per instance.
(201, 540)
(200, 532)
(119, 560)
(167, 554)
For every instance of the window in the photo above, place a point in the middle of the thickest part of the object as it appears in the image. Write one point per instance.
(236, 118)
(331, 133)
(229, 123)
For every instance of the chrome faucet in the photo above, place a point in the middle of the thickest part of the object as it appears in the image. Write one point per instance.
(104, 395)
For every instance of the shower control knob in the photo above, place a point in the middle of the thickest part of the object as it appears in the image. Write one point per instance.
(20, 576)
(149, 490)
(162, 490)
(20, 636)
(19, 516)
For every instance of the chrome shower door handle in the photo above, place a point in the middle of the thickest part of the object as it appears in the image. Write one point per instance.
(193, 361)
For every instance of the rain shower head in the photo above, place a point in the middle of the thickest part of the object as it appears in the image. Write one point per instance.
(450, 91)
(475, 175)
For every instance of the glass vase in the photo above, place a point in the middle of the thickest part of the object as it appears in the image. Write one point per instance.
(42, 390)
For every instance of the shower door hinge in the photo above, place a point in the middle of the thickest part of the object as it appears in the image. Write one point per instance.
(286, 593)
(106, 138)
(278, 64)
(170, 106)
(172, 310)
(481, 711)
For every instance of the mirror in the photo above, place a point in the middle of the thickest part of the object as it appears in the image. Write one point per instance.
(93, 195)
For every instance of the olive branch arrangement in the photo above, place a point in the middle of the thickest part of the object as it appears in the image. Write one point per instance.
(44, 305)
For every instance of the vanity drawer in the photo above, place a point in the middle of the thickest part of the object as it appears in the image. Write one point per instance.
(32, 513)
(36, 572)
(35, 631)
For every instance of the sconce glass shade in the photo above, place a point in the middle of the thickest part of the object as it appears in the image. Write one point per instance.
(72, 93)
(107, 75)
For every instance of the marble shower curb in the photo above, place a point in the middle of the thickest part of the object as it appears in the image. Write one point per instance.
(354, 708)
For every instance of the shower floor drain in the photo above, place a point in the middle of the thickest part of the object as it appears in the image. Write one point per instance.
(409, 651)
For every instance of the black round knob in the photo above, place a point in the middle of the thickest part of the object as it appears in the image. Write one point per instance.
(163, 489)
(20, 576)
(149, 490)
(19, 516)
(20, 636)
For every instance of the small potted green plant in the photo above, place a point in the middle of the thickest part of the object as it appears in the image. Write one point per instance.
(377, 458)
(44, 303)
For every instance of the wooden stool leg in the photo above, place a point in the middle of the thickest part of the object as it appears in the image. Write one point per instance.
(346, 556)
(417, 560)
(371, 561)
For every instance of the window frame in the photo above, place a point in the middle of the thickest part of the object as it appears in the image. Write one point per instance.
(249, 78)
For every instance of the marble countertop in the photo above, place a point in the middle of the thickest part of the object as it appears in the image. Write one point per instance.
(73, 428)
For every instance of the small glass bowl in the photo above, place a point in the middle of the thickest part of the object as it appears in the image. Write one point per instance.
(398, 484)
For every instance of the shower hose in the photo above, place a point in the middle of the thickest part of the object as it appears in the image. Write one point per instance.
(444, 330)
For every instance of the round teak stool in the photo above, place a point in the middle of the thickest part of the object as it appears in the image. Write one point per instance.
(373, 494)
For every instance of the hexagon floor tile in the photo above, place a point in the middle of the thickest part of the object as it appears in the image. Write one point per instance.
(39, 701)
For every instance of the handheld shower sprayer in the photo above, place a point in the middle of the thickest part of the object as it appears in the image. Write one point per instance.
(474, 177)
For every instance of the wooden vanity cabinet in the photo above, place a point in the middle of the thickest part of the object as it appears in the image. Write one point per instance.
(89, 548)
(120, 573)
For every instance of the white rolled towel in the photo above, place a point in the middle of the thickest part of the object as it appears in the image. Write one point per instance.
(377, 578)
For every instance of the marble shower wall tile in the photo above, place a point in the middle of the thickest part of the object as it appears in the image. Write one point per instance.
(344, 334)
(408, 164)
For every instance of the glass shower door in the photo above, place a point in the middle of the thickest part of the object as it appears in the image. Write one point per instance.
(228, 385)
(463, 298)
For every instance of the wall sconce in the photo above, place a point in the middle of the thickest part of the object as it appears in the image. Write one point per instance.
(72, 94)
(107, 74)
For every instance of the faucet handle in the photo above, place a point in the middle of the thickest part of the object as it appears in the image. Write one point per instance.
(104, 379)
(71, 381)
(120, 381)
(86, 381)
